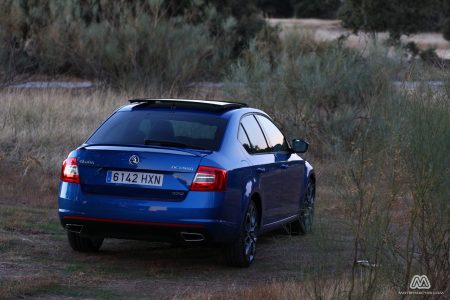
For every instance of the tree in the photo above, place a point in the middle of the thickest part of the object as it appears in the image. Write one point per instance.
(276, 8)
(324, 9)
(395, 16)
(234, 22)
(446, 29)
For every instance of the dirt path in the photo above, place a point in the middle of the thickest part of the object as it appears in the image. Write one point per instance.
(38, 265)
(36, 261)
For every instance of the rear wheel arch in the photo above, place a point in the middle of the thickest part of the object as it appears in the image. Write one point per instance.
(241, 252)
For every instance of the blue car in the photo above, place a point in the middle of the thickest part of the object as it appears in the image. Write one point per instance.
(188, 171)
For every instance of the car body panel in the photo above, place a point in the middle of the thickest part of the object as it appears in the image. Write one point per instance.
(218, 215)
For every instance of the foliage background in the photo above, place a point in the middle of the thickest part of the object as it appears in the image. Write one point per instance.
(380, 147)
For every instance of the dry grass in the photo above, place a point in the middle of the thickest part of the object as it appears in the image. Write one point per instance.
(27, 220)
(318, 288)
(27, 285)
(40, 126)
(38, 130)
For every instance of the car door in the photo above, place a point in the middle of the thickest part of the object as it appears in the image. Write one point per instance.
(262, 162)
(288, 170)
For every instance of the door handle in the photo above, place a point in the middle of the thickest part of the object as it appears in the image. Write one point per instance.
(260, 170)
(284, 166)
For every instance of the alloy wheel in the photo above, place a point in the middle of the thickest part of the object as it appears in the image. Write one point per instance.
(250, 227)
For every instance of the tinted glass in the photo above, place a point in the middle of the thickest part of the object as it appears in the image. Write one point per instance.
(243, 139)
(273, 134)
(255, 135)
(136, 127)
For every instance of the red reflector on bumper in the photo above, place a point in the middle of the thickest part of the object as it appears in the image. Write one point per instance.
(162, 224)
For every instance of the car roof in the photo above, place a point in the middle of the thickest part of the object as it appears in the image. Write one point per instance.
(203, 105)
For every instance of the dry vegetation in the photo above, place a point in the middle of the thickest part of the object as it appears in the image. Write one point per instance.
(317, 288)
(383, 183)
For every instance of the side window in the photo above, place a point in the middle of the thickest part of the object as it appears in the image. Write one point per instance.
(255, 135)
(243, 139)
(273, 134)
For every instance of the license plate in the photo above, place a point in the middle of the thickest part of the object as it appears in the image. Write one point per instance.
(138, 178)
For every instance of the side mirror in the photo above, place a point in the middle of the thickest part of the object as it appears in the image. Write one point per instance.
(299, 146)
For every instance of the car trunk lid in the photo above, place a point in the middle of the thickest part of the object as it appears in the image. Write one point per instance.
(154, 173)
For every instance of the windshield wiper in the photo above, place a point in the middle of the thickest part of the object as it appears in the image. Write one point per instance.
(172, 144)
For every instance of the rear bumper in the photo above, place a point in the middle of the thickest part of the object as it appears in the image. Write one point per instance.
(137, 230)
(200, 213)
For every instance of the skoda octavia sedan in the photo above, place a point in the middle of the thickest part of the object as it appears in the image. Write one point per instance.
(188, 171)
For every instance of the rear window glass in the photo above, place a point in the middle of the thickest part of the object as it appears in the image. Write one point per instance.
(140, 127)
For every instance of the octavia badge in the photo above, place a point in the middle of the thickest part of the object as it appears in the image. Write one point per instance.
(134, 160)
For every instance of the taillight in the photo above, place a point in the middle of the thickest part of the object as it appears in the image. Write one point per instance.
(209, 179)
(69, 171)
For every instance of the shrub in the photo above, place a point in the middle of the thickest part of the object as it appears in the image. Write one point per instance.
(314, 89)
(234, 22)
(389, 148)
(325, 9)
(446, 29)
(123, 45)
(395, 16)
(276, 8)
(429, 55)
(425, 145)
(126, 42)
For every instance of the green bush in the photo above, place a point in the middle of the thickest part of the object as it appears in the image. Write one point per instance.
(123, 45)
(419, 138)
(232, 22)
(324, 9)
(277, 8)
(446, 29)
(316, 90)
(395, 16)
(126, 42)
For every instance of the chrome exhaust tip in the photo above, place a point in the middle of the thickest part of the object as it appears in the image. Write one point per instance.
(75, 228)
(192, 237)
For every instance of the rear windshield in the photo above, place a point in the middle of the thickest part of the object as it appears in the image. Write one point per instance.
(193, 130)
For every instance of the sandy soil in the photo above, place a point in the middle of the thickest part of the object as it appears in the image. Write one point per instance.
(328, 30)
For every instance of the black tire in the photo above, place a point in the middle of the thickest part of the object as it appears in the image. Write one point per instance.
(242, 252)
(306, 215)
(82, 244)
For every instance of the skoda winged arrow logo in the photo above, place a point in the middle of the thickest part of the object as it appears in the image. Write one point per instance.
(134, 160)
